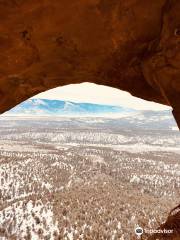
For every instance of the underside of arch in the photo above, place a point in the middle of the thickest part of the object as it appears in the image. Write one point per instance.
(133, 45)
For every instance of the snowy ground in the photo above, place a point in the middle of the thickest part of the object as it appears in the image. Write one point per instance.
(61, 180)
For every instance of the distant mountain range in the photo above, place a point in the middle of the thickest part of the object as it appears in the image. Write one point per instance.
(46, 107)
(126, 117)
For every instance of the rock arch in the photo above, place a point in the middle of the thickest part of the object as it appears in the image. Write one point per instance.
(132, 45)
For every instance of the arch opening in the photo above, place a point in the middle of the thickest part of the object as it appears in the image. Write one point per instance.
(97, 165)
(130, 45)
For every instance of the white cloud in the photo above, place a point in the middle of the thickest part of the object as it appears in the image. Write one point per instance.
(92, 93)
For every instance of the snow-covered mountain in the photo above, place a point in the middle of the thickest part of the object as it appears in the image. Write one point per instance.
(114, 115)
(45, 107)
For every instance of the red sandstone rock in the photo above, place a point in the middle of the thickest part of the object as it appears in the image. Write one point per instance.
(133, 45)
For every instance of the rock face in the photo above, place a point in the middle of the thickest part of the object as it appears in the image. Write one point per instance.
(173, 224)
(133, 45)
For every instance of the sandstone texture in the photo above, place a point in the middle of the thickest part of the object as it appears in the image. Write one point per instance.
(133, 45)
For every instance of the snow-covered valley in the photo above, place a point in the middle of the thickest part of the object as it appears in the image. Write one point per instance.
(84, 178)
